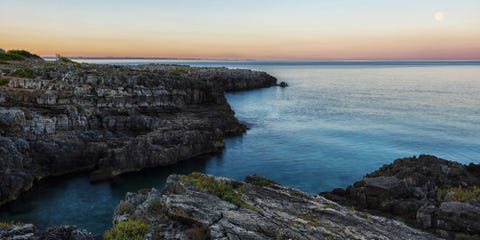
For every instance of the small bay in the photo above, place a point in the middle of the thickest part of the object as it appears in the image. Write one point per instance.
(335, 122)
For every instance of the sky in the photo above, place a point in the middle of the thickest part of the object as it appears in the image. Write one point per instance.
(245, 29)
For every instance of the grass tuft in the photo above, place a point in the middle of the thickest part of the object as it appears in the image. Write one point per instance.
(132, 230)
(7, 224)
(462, 194)
(24, 54)
(179, 70)
(64, 59)
(17, 55)
(24, 73)
(125, 208)
(4, 81)
(10, 57)
(219, 189)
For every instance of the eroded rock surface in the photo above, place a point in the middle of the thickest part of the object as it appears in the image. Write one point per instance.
(63, 117)
(204, 207)
(430, 192)
(30, 232)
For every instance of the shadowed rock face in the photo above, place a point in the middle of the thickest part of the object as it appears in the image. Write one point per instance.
(430, 192)
(204, 207)
(30, 232)
(59, 118)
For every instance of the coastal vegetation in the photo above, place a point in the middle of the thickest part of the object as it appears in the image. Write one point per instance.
(461, 194)
(6, 224)
(180, 70)
(132, 229)
(4, 81)
(24, 73)
(17, 55)
(64, 59)
(222, 190)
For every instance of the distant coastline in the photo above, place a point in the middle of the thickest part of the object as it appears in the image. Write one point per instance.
(48, 57)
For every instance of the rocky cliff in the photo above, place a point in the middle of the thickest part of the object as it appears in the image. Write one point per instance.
(198, 206)
(429, 192)
(63, 117)
(17, 231)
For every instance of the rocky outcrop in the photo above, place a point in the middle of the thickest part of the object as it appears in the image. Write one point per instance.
(430, 192)
(30, 232)
(62, 117)
(198, 206)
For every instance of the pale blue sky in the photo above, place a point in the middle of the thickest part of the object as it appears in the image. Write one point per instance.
(244, 29)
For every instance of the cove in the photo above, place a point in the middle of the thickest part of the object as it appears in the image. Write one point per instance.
(334, 123)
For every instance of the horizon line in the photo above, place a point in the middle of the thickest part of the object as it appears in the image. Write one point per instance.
(261, 60)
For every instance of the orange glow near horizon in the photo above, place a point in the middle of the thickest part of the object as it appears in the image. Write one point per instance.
(305, 35)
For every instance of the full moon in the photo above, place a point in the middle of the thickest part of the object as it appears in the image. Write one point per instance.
(439, 16)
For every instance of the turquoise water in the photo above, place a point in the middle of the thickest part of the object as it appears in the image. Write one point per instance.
(336, 122)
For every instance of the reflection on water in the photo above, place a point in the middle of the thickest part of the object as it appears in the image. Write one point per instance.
(334, 123)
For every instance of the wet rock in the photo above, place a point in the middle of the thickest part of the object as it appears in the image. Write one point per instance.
(203, 207)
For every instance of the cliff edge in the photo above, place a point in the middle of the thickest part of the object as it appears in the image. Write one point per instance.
(62, 117)
(199, 206)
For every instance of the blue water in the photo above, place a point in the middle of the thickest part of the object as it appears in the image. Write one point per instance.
(336, 122)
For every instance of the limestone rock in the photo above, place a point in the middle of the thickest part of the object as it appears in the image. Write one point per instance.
(110, 120)
(204, 207)
(423, 192)
(30, 232)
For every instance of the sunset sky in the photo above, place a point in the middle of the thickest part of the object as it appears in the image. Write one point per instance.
(245, 29)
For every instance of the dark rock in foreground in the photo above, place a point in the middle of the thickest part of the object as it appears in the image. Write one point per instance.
(62, 117)
(30, 232)
(203, 207)
(430, 192)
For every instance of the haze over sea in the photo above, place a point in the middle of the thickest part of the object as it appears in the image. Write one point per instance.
(335, 122)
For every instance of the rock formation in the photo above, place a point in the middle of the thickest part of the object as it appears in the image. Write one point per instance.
(198, 206)
(430, 192)
(62, 117)
(30, 232)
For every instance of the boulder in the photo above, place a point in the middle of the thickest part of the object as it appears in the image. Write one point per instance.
(432, 193)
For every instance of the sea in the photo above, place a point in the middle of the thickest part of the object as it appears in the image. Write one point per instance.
(337, 121)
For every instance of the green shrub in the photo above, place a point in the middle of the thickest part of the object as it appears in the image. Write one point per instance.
(4, 81)
(179, 71)
(128, 230)
(157, 206)
(463, 236)
(7, 224)
(125, 208)
(64, 59)
(462, 194)
(24, 73)
(219, 189)
(262, 182)
(23, 53)
(10, 57)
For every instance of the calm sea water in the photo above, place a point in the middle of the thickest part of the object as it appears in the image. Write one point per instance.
(336, 122)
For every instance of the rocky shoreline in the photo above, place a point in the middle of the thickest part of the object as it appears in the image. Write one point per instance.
(198, 206)
(63, 117)
(428, 192)
(412, 198)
